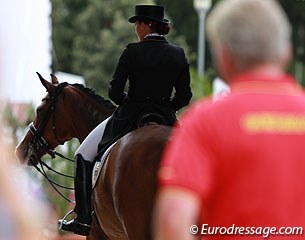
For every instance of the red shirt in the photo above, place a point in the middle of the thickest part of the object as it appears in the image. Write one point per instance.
(244, 155)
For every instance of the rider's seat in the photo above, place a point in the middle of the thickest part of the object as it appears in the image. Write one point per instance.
(151, 119)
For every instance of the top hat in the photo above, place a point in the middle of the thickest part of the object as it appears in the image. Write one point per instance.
(152, 12)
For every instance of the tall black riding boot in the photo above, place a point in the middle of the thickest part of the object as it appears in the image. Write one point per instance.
(82, 184)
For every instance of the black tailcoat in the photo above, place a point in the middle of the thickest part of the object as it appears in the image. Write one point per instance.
(153, 69)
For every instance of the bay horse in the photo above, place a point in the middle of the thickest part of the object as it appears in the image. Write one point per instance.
(124, 194)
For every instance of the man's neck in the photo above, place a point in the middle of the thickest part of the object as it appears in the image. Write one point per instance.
(266, 70)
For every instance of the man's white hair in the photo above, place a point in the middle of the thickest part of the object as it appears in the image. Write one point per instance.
(253, 31)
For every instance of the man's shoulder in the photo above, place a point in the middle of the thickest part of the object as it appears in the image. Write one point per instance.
(209, 110)
(199, 109)
(209, 105)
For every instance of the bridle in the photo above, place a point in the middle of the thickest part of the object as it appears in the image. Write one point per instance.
(38, 141)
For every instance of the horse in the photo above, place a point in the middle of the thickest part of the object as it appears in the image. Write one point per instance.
(124, 194)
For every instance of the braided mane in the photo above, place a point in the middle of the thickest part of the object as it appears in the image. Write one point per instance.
(92, 94)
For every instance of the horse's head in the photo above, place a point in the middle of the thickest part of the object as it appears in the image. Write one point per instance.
(42, 136)
(67, 111)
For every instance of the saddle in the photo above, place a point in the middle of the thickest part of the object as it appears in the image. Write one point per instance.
(151, 119)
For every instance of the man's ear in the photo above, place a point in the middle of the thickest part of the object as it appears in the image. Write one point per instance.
(287, 56)
(224, 62)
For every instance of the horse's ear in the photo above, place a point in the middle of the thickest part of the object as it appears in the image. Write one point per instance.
(54, 79)
(45, 83)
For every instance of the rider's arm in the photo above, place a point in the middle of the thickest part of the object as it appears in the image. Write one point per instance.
(117, 84)
(182, 87)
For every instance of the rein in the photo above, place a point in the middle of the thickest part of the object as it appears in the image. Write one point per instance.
(38, 141)
(43, 143)
(55, 185)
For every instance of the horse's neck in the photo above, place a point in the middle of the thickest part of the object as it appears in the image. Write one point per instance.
(88, 123)
(87, 114)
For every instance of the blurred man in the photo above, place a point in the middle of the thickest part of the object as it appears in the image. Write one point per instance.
(235, 168)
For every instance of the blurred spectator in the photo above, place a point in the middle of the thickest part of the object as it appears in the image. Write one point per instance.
(20, 206)
(239, 161)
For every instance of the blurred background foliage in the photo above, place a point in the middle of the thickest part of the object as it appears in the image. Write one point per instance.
(92, 34)
(88, 37)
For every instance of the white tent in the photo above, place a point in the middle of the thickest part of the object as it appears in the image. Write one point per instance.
(25, 48)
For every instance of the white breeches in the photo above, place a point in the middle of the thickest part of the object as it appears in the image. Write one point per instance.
(88, 148)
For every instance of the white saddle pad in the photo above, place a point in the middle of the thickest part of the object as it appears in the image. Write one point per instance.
(99, 165)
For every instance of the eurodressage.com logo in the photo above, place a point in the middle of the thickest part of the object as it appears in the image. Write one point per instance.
(265, 232)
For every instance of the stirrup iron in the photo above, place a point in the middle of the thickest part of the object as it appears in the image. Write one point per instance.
(64, 218)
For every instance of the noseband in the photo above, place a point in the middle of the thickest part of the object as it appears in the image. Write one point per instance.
(38, 140)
